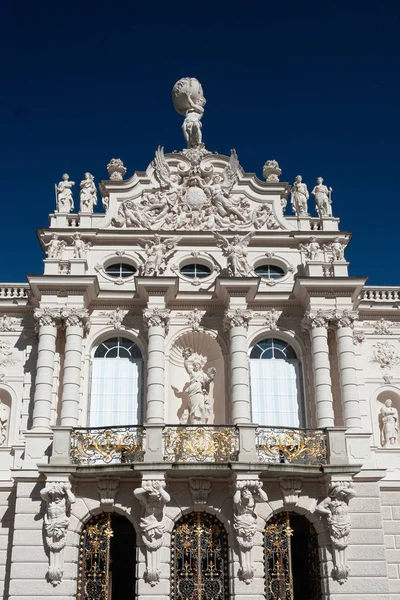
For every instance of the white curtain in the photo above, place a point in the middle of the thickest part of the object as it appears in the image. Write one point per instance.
(276, 396)
(115, 392)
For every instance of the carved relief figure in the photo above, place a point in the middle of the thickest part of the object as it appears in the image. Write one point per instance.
(88, 194)
(59, 498)
(4, 422)
(198, 389)
(80, 247)
(153, 497)
(245, 521)
(390, 424)
(55, 247)
(299, 197)
(65, 201)
(236, 253)
(323, 199)
(335, 509)
(158, 253)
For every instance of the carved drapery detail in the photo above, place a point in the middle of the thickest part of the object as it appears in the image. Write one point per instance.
(58, 497)
(156, 317)
(336, 511)
(246, 494)
(153, 497)
(238, 317)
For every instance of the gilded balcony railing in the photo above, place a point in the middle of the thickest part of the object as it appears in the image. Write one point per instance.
(104, 445)
(287, 445)
(200, 443)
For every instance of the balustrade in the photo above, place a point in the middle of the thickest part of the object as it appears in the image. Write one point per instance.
(295, 446)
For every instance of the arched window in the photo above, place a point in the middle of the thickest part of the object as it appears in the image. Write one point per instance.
(276, 385)
(116, 384)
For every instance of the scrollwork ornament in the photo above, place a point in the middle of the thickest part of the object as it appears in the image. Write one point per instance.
(271, 319)
(156, 317)
(335, 509)
(246, 494)
(239, 317)
(115, 318)
(386, 355)
(58, 497)
(153, 497)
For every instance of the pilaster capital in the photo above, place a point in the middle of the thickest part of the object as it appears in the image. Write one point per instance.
(47, 316)
(76, 317)
(313, 320)
(156, 317)
(238, 317)
(343, 318)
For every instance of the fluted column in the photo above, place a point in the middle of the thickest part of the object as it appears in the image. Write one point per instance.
(343, 323)
(156, 320)
(317, 324)
(237, 322)
(47, 322)
(76, 324)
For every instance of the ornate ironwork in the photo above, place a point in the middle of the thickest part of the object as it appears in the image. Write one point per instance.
(105, 445)
(278, 572)
(285, 445)
(200, 443)
(199, 559)
(94, 557)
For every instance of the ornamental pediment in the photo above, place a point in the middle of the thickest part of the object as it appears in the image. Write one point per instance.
(195, 190)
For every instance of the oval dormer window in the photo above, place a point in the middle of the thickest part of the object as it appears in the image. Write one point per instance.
(117, 270)
(195, 271)
(269, 271)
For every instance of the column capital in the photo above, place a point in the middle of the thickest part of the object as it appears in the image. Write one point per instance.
(318, 319)
(238, 317)
(343, 318)
(156, 317)
(47, 316)
(76, 317)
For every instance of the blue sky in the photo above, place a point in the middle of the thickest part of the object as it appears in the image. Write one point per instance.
(314, 85)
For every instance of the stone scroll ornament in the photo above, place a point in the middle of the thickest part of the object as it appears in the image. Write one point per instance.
(245, 523)
(153, 497)
(58, 496)
(336, 511)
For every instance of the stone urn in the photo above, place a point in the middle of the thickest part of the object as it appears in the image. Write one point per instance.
(116, 169)
(187, 86)
(272, 171)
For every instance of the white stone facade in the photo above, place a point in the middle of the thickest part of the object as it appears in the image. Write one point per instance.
(196, 262)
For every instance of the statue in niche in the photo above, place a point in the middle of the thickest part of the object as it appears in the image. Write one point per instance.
(80, 247)
(390, 424)
(153, 497)
(4, 421)
(59, 497)
(65, 201)
(55, 247)
(323, 199)
(299, 197)
(158, 253)
(236, 253)
(335, 509)
(88, 194)
(198, 388)
(245, 521)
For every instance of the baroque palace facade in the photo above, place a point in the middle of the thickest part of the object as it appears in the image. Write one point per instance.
(196, 400)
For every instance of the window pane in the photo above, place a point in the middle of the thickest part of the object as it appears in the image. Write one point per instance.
(269, 271)
(195, 270)
(120, 270)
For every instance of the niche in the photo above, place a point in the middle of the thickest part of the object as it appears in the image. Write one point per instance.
(388, 406)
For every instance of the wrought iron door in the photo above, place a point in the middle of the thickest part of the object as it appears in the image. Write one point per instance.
(278, 568)
(199, 559)
(94, 558)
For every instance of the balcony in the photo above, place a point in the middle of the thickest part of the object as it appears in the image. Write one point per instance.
(186, 445)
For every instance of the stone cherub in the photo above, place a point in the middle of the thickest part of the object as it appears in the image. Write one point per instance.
(198, 388)
(55, 247)
(390, 424)
(59, 497)
(236, 254)
(312, 249)
(153, 497)
(335, 509)
(65, 201)
(158, 252)
(80, 247)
